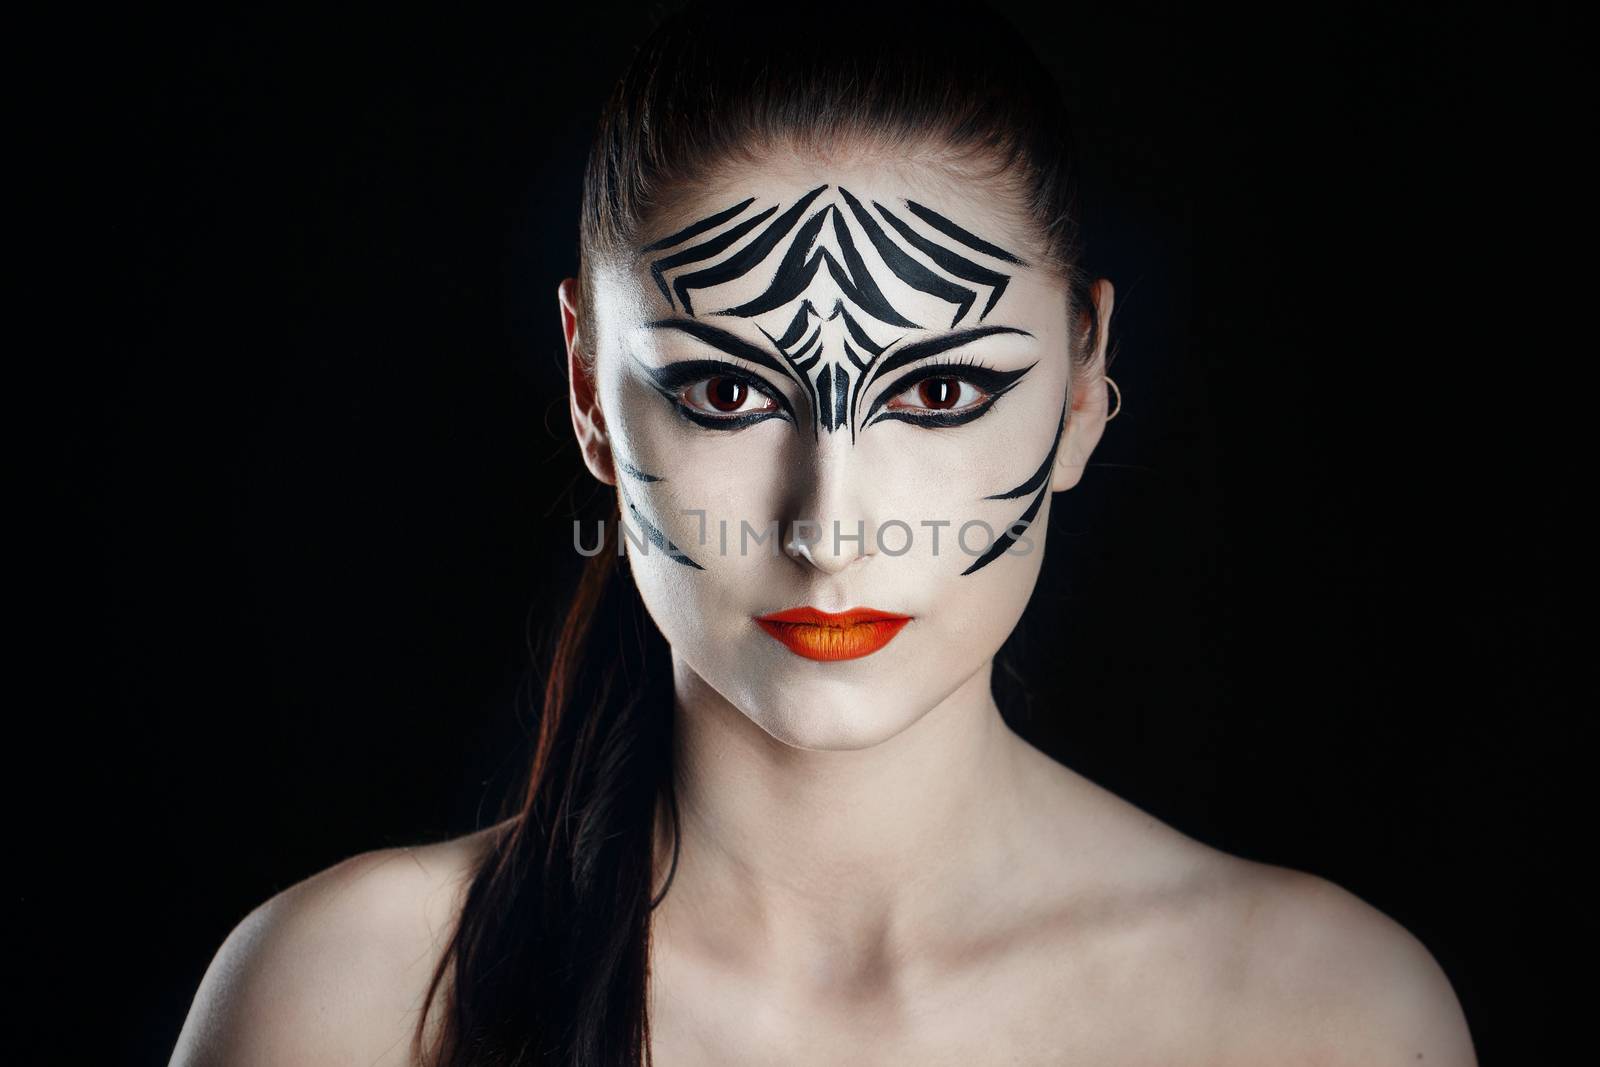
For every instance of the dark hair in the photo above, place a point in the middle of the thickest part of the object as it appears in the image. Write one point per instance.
(548, 962)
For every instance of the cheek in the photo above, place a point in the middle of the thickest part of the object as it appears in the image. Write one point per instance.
(959, 476)
(915, 475)
(708, 480)
(894, 473)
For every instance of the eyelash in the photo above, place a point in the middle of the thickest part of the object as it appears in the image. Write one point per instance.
(679, 377)
(675, 379)
(992, 382)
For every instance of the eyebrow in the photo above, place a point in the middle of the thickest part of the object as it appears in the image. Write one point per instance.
(719, 338)
(885, 361)
(933, 346)
(667, 380)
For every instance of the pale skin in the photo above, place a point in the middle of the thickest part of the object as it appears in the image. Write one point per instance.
(874, 868)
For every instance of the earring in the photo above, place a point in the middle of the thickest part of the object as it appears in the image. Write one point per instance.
(1118, 409)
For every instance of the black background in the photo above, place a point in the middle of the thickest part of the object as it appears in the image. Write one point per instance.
(309, 464)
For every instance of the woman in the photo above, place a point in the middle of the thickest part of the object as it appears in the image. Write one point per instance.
(831, 347)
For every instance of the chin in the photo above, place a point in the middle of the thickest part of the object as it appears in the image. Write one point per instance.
(832, 714)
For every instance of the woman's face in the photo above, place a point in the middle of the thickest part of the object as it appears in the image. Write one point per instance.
(833, 386)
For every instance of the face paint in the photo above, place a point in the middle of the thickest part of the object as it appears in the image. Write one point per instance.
(834, 382)
(855, 349)
(835, 386)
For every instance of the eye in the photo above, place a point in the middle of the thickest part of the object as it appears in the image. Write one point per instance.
(946, 394)
(713, 393)
(941, 393)
(724, 394)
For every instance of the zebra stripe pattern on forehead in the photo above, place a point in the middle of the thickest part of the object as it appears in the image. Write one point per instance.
(836, 371)
(854, 277)
(833, 384)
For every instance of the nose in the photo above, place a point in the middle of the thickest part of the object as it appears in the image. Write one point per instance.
(830, 528)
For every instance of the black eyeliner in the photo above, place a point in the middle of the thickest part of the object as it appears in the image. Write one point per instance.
(673, 377)
(994, 382)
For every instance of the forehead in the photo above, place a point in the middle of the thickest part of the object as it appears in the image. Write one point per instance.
(876, 173)
(895, 246)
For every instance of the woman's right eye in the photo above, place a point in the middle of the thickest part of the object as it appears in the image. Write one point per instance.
(725, 395)
(713, 394)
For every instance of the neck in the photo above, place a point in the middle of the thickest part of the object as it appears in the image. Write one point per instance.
(807, 865)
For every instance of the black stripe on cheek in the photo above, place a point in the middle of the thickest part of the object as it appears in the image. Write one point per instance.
(654, 535)
(1037, 478)
(634, 472)
(1005, 540)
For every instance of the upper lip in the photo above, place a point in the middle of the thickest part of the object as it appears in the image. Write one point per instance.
(807, 614)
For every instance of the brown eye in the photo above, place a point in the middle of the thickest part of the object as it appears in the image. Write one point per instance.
(938, 393)
(726, 394)
(946, 394)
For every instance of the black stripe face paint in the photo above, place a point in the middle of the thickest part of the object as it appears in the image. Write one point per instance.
(652, 532)
(830, 231)
(830, 263)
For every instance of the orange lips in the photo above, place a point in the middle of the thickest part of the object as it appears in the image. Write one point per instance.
(825, 635)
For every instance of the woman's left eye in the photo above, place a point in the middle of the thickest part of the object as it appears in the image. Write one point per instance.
(947, 393)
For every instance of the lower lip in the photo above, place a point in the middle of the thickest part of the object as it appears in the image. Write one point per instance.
(848, 635)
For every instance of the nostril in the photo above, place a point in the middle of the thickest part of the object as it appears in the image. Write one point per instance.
(830, 562)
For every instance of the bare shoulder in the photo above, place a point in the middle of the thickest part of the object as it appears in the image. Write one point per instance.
(1258, 963)
(1319, 973)
(334, 969)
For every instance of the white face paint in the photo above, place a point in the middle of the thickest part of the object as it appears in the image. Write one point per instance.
(811, 285)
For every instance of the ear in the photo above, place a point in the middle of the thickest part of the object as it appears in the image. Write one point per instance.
(1087, 417)
(583, 392)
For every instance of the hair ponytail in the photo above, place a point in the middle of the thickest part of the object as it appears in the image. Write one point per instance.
(548, 961)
